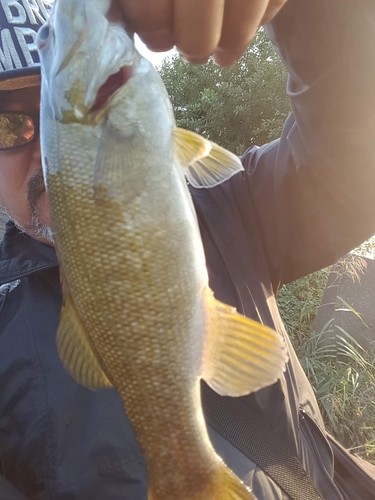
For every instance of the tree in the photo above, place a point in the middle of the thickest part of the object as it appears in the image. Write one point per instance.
(236, 107)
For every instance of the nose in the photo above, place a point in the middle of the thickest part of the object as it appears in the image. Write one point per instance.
(36, 155)
(36, 147)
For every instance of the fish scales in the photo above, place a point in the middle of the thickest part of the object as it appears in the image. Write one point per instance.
(137, 312)
(135, 301)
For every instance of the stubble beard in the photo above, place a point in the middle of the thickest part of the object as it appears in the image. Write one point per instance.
(39, 230)
(36, 229)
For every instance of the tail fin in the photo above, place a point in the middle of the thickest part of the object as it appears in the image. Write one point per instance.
(229, 487)
(219, 484)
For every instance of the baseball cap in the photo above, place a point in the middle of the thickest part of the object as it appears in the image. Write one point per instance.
(20, 21)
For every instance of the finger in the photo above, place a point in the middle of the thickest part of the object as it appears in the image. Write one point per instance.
(151, 20)
(241, 21)
(273, 8)
(197, 27)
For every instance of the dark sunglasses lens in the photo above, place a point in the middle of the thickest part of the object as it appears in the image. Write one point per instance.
(15, 130)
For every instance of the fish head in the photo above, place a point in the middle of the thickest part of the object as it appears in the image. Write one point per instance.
(95, 83)
(85, 59)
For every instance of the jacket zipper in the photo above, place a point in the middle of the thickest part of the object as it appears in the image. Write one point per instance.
(19, 277)
(303, 416)
(4, 300)
(29, 273)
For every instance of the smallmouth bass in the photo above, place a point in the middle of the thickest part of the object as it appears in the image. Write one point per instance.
(138, 314)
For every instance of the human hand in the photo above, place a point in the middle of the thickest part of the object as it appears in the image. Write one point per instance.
(198, 28)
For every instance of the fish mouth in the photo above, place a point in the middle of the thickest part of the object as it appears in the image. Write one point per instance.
(110, 87)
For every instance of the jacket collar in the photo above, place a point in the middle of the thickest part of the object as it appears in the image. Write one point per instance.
(21, 255)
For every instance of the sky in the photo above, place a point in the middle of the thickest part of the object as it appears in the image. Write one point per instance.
(155, 57)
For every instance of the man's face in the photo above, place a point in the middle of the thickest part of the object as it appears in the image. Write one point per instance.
(22, 190)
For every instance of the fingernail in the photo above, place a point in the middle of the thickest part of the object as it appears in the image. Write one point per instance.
(225, 58)
(195, 60)
(269, 15)
(158, 41)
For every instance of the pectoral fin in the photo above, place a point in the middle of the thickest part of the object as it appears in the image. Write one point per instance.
(241, 355)
(76, 352)
(205, 163)
(115, 175)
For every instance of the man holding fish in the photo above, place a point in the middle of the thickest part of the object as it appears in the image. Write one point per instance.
(299, 204)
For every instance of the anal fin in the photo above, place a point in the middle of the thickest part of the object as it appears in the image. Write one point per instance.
(241, 355)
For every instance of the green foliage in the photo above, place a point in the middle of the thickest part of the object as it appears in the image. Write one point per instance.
(367, 249)
(236, 107)
(299, 301)
(298, 304)
(343, 377)
(340, 371)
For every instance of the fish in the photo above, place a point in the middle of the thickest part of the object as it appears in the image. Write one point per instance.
(138, 314)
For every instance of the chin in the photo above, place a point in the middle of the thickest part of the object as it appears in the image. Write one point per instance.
(40, 221)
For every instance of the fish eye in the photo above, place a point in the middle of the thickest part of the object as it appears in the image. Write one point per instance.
(43, 36)
(44, 33)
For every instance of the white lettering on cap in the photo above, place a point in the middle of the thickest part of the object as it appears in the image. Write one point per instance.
(18, 38)
(27, 46)
(14, 12)
(45, 7)
(33, 12)
(8, 54)
(37, 10)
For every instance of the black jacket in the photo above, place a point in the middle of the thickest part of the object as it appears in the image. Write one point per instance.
(303, 201)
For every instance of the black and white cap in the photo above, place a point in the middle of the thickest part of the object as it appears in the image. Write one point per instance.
(20, 21)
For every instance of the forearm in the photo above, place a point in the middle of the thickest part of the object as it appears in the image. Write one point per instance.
(328, 47)
(321, 173)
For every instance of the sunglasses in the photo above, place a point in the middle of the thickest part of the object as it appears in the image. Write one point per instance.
(18, 129)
